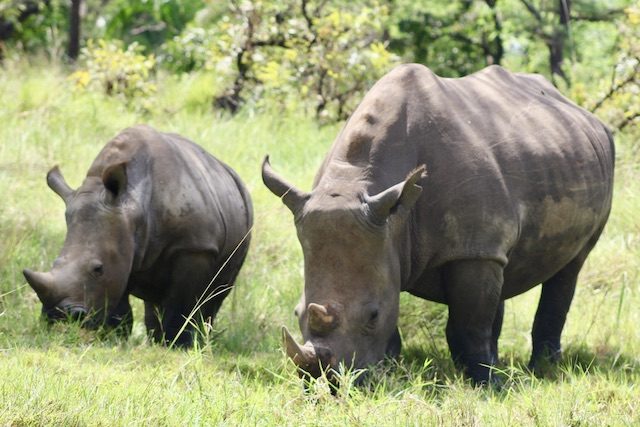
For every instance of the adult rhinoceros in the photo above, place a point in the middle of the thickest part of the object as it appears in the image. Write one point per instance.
(516, 192)
(156, 217)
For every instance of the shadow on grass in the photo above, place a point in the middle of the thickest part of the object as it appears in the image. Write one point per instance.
(577, 361)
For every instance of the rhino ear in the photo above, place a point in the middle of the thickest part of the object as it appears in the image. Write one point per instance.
(404, 194)
(114, 178)
(293, 198)
(57, 183)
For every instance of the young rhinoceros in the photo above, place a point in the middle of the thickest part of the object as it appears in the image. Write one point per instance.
(156, 217)
(517, 190)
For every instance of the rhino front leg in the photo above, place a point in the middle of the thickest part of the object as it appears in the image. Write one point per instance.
(472, 289)
(190, 298)
(121, 320)
(165, 323)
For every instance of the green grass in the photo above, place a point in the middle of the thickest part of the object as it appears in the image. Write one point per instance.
(67, 376)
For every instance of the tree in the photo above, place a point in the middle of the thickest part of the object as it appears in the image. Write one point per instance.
(620, 103)
(552, 25)
(452, 37)
(13, 14)
(327, 51)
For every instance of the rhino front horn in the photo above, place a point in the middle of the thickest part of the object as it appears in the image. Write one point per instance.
(40, 282)
(303, 356)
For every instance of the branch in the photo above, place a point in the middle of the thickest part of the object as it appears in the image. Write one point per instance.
(309, 20)
(597, 17)
(532, 10)
(305, 14)
(616, 87)
(628, 120)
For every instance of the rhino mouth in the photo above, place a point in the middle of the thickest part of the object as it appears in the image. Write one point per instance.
(73, 313)
(79, 314)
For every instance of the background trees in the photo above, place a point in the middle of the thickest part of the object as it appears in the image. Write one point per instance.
(320, 55)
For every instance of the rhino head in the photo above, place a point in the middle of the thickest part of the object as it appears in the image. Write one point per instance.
(88, 280)
(351, 242)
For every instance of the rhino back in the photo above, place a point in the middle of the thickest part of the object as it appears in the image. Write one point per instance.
(189, 200)
(516, 172)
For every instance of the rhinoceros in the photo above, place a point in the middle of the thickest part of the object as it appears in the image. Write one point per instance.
(156, 217)
(464, 191)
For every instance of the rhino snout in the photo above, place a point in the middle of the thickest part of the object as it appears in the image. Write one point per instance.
(73, 312)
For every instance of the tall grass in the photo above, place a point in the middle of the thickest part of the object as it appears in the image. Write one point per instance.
(68, 376)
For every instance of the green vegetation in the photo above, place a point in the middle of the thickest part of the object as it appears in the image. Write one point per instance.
(244, 78)
(320, 56)
(68, 376)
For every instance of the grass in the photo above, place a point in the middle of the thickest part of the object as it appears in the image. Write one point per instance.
(67, 376)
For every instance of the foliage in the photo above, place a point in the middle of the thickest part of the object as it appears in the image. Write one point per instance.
(268, 53)
(125, 73)
(10, 10)
(189, 51)
(454, 38)
(32, 25)
(620, 103)
(150, 23)
(319, 56)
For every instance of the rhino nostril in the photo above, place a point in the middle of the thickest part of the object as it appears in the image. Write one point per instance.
(54, 314)
(77, 313)
(324, 355)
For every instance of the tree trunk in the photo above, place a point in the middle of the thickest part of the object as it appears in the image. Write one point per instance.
(74, 30)
(557, 42)
(495, 53)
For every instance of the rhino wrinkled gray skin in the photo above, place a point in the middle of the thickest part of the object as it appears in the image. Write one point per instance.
(156, 217)
(462, 191)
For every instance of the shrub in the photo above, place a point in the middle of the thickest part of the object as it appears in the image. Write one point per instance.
(290, 54)
(124, 73)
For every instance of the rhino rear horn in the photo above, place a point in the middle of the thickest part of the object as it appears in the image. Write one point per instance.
(320, 319)
(41, 283)
(405, 194)
(57, 183)
(293, 198)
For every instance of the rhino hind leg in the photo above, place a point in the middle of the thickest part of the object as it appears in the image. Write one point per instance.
(555, 300)
(191, 299)
(164, 325)
(495, 332)
(472, 289)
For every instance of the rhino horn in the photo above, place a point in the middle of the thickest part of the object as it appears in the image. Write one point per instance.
(293, 198)
(57, 183)
(320, 319)
(42, 283)
(303, 356)
(403, 194)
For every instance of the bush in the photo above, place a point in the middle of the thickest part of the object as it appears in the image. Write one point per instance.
(619, 104)
(319, 56)
(124, 73)
(188, 51)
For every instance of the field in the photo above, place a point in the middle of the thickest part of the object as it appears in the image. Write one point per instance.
(67, 376)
